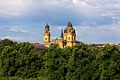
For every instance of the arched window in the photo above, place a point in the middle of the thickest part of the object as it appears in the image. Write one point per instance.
(68, 38)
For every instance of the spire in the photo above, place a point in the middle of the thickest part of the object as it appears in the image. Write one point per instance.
(69, 24)
(47, 28)
(61, 36)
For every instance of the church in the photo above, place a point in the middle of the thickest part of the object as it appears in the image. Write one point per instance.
(67, 37)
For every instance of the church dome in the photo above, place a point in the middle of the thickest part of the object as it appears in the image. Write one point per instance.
(73, 30)
(65, 30)
(70, 27)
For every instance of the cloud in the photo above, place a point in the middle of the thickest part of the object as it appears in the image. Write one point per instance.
(13, 8)
(18, 29)
(101, 8)
(56, 10)
(95, 4)
(81, 3)
(12, 38)
(16, 8)
(19, 38)
(109, 33)
(99, 34)
(98, 20)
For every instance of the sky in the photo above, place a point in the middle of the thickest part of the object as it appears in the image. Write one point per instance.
(95, 21)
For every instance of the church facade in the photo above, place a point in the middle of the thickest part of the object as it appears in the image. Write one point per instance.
(67, 38)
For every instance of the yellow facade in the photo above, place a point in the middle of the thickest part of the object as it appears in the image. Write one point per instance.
(67, 39)
(47, 36)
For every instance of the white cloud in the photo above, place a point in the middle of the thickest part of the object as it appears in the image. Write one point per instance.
(13, 8)
(15, 29)
(19, 38)
(81, 3)
(102, 7)
(98, 4)
(99, 34)
(42, 8)
(18, 29)
(12, 38)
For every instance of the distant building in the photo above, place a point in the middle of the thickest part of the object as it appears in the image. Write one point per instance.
(116, 45)
(40, 46)
(35, 44)
(67, 38)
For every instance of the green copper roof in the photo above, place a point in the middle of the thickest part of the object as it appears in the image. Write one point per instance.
(65, 30)
(69, 24)
(47, 27)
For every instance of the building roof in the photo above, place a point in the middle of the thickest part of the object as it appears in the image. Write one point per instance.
(47, 28)
(40, 46)
(69, 26)
(35, 44)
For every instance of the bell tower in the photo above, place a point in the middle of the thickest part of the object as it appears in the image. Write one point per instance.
(69, 34)
(47, 36)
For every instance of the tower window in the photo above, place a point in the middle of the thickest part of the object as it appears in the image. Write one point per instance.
(68, 38)
(45, 38)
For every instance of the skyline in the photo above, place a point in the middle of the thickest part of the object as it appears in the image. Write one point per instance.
(94, 21)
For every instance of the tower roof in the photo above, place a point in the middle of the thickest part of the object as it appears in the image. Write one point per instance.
(69, 24)
(65, 30)
(47, 27)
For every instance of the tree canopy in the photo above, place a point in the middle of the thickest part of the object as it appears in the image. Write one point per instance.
(81, 62)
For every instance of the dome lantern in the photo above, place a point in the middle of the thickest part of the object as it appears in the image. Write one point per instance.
(69, 24)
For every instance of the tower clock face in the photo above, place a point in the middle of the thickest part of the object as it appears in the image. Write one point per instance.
(45, 38)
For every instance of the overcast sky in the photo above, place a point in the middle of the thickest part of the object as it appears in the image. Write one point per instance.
(95, 21)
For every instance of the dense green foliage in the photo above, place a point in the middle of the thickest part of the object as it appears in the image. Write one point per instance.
(81, 62)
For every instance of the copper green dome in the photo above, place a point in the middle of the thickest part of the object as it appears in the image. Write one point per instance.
(69, 25)
(73, 30)
(65, 30)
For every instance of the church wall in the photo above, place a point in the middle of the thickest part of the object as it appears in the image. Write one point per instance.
(46, 38)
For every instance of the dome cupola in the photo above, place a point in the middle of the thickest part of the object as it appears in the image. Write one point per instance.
(69, 24)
